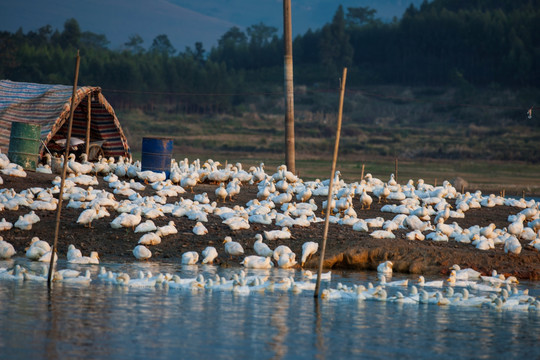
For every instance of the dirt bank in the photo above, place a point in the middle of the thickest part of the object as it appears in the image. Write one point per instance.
(346, 249)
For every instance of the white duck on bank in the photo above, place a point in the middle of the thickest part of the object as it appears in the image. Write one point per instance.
(209, 255)
(141, 252)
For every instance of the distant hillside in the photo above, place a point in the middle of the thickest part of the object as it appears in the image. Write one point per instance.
(117, 20)
(183, 21)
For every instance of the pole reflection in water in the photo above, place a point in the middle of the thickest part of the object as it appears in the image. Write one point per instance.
(279, 321)
(319, 342)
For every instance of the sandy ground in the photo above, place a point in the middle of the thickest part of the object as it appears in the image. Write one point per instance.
(346, 248)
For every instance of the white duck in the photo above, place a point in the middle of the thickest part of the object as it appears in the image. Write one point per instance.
(6, 249)
(261, 248)
(93, 259)
(385, 267)
(200, 229)
(209, 254)
(257, 262)
(286, 260)
(5, 225)
(73, 252)
(141, 252)
(169, 229)
(150, 238)
(309, 248)
(146, 226)
(37, 248)
(190, 258)
(232, 248)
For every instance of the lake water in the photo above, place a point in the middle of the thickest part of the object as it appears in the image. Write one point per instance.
(107, 321)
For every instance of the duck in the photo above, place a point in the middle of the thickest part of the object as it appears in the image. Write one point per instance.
(261, 248)
(6, 249)
(415, 235)
(465, 274)
(512, 246)
(149, 176)
(435, 283)
(282, 234)
(309, 248)
(88, 215)
(93, 259)
(209, 255)
(37, 248)
(385, 267)
(23, 223)
(232, 248)
(280, 250)
(365, 200)
(383, 282)
(73, 252)
(150, 238)
(382, 234)
(141, 252)
(169, 229)
(286, 260)
(381, 192)
(190, 258)
(221, 192)
(5, 225)
(200, 229)
(146, 226)
(257, 262)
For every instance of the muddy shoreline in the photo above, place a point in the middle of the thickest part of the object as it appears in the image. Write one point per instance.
(346, 248)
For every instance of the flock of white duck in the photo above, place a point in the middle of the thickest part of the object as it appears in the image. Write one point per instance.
(283, 199)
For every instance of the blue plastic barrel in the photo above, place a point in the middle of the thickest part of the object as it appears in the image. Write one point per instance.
(157, 154)
(24, 144)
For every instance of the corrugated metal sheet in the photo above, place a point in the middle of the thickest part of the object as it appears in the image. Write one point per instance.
(49, 106)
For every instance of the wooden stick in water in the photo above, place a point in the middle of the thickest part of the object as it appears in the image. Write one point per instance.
(64, 170)
(331, 186)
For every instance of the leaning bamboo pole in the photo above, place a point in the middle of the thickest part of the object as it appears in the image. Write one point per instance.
(64, 170)
(331, 185)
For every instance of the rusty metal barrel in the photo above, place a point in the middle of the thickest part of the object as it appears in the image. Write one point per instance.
(157, 154)
(24, 144)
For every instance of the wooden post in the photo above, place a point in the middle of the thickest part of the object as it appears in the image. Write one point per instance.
(395, 170)
(88, 121)
(64, 170)
(362, 175)
(289, 88)
(462, 188)
(331, 185)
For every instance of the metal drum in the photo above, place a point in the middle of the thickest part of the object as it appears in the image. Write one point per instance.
(24, 144)
(157, 154)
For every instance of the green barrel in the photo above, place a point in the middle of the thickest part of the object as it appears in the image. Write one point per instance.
(24, 144)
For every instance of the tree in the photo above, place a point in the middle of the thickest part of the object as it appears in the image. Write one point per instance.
(134, 44)
(233, 36)
(71, 35)
(162, 45)
(360, 16)
(336, 51)
(95, 41)
(260, 34)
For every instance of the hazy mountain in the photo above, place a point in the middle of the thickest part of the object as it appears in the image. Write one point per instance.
(183, 21)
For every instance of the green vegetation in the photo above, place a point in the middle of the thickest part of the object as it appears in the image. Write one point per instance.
(451, 80)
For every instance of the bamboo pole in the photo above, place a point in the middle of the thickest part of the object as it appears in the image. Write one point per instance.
(289, 88)
(88, 121)
(395, 169)
(64, 170)
(331, 185)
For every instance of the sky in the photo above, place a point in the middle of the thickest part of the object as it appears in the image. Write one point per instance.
(183, 21)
